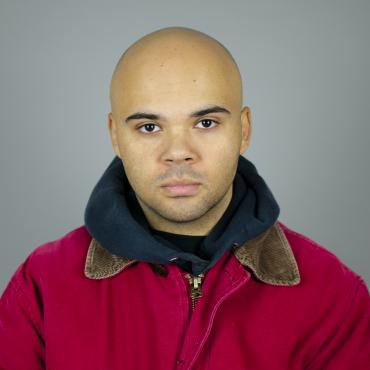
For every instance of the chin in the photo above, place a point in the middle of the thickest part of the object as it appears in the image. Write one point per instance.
(183, 213)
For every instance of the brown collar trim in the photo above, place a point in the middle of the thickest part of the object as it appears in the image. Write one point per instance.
(269, 256)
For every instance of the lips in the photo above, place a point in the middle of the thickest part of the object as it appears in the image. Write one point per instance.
(183, 188)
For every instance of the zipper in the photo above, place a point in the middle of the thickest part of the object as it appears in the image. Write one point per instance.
(195, 282)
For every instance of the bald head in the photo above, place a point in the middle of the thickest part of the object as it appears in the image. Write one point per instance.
(174, 56)
(177, 112)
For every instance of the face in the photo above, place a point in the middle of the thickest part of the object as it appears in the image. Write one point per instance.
(193, 130)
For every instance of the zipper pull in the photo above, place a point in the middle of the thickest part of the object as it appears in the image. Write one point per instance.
(195, 287)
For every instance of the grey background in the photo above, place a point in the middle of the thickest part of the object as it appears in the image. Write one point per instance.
(305, 66)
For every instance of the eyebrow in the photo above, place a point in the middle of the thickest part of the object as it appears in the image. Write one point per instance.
(198, 113)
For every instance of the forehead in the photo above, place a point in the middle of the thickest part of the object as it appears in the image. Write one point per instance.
(175, 85)
(175, 76)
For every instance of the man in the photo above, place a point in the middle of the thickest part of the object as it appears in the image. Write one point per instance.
(182, 262)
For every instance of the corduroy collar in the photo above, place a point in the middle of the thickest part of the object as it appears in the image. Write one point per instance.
(269, 256)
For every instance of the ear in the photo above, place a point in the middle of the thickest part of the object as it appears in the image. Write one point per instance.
(246, 122)
(113, 134)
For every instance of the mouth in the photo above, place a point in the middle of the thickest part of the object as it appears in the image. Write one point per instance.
(181, 189)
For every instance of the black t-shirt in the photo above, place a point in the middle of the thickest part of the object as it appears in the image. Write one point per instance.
(187, 243)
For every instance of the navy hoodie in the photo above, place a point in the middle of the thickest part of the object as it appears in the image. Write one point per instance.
(115, 219)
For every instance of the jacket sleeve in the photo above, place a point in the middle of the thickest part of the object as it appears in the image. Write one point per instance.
(348, 347)
(21, 336)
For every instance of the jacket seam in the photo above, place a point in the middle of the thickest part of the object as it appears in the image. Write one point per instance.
(323, 248)
(24, 302)
(235, 285)
(307, 239)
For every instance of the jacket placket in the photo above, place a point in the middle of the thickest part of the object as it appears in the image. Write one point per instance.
(217, 286)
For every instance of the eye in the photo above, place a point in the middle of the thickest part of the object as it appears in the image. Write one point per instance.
(149, 126)
(208, 122)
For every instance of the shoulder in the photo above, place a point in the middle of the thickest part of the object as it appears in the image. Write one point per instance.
(318, 266)
(73, 242)
(48, 268)
(59, 257)
(335, 302)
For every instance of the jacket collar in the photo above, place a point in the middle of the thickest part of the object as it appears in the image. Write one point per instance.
(269, 256)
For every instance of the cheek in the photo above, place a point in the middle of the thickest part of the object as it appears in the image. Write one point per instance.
(226, 139)
(222, 151)
(132, 145)
(223, 159)
(139, 171)
(222, 168)
(137, 177)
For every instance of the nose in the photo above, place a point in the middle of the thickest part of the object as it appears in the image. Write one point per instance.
(179, 149)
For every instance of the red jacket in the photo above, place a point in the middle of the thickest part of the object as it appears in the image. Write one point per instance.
(281, 301)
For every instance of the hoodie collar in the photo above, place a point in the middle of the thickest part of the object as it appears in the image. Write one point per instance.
(112, 224)
(269, 256)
